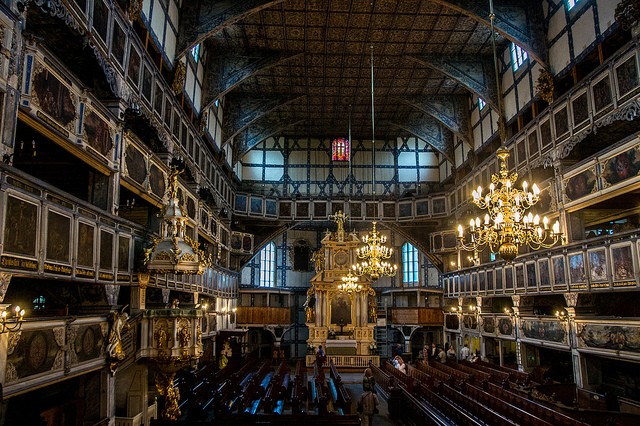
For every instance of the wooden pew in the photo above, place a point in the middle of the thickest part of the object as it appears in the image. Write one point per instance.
(403, 379)
(498, 377)
(520, 377)
(479, 376)
(503, 407)
(539, 410)
(343, 397)
(436, 373)
(299, 391)
(277, 387)
(471, 407)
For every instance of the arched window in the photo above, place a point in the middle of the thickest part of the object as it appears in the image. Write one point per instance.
(268, 265)
(409, 265)
(340, 149)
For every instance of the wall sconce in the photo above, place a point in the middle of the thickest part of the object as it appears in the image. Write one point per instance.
(509, 312)
(11, 324)
(563, 315)
(454, 309)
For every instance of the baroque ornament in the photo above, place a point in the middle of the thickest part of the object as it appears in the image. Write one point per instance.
(179, 77)
(628, 13)
(545, 86)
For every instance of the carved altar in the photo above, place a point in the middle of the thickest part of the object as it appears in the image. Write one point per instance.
(332, 314)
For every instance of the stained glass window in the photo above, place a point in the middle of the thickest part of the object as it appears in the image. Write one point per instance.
(340, 149)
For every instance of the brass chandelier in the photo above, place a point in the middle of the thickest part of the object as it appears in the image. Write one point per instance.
(350, 284)
(374, 255)
(507, 225)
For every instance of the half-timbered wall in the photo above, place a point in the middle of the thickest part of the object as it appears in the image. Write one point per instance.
(303, 168)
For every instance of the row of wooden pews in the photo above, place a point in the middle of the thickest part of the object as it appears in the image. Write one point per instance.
(340, 393)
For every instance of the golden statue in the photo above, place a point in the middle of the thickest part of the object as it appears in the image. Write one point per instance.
(114, 347)
(164, 385)
(318, 259)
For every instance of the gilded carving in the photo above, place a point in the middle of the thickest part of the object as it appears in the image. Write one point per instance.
(164, 385)
(179, 77)
(545, 86)
(13, 339)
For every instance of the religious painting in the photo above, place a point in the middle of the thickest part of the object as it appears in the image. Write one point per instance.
(452, 322)
(241, 203)
(531, 275)
(106, 250)
(167, 115)
(519, 275)
(98, 134)
(622, 263)
(256, 205)
(474, 282)
(508, 278)
(576, 268)
(404, 210)
(157, 181)
(543, 330)
(147, 81)
(247, 243)
(389, 210)
(371, 210)
(490, 276)
(302, 209)
(84, 256)
(438, 206)
(356, 210)
(101, 19)
(559, 273)
(319, 209)
(623, 166)
(53, 97)
(580, 107)
(449, 240)
(470, 322)
(545, 133)
(522, 152)
(598, 265)
(118, 41)
(340, 309)
(482, 281)
(560, 117)
(157, 103)
(191, 208)
(21, 226)
(133, 72)
(58, 234)
(543, 269)
(135, 163)
(582, 184)
(285, 207)
(627, 76)
(176, 124)
(123, 253)
(498, 279)
(236, 241)
(271, 207)
(602, 94)
(614, 337)
(505, 326)
(489, 325)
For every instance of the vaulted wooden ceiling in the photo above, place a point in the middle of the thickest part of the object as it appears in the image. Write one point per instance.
(301, 68)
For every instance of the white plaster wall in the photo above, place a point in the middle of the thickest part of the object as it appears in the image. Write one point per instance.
(583, 32)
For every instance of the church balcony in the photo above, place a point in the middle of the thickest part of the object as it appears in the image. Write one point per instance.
(45, 352)
(416, 316)
(601, 264)
(262, 315)
(51, 234)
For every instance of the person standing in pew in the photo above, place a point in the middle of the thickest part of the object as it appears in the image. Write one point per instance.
(367, 407)
(442, 356)
(464, 352)
(368, 381)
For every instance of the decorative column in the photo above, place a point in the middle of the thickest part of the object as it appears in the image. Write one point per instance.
(139, 292)
(516, 330)
(572, 332)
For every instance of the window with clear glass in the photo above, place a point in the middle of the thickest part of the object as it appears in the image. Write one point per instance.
(195, 52)
(340, 149)
(481, 103)
(518, 56)
(39, 303)
(409, 265)
(268, 265)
